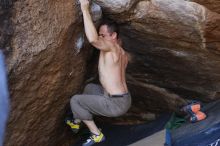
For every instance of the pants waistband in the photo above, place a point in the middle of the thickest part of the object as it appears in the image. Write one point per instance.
(118, 95)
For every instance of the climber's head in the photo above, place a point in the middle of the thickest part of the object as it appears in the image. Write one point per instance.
(109, 30)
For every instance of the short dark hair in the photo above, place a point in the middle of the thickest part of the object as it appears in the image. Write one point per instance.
(112, 25)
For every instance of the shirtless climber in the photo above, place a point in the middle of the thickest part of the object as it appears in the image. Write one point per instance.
(112, 99)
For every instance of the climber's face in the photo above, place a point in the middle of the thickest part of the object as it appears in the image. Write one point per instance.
(106, 34)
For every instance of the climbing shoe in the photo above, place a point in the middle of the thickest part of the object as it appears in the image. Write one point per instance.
(192, 107)
(193, 110)
(94, 139)
(74, 126)
(199, 116)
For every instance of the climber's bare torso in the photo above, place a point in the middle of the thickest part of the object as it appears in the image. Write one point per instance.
(112, 66)
(112, 63)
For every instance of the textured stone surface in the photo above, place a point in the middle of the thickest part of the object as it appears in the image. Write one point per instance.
(174, 48)
(213, 5)
(116, 6)
(5, 27)
(47, 65)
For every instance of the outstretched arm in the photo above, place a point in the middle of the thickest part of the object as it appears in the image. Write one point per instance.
(90, 29)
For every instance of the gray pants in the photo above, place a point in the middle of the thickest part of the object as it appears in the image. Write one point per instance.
(95, 101)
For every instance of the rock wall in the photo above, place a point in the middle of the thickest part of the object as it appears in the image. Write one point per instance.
(47, 64)
(174, 48)
(5, 26)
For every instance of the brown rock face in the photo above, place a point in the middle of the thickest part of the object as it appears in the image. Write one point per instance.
(174, 47)
(5, 27)
(47, 65)
(213, 5)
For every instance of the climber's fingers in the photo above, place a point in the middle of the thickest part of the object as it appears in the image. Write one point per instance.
(84, 2)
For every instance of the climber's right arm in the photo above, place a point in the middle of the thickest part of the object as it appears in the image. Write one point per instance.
(90, 30)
